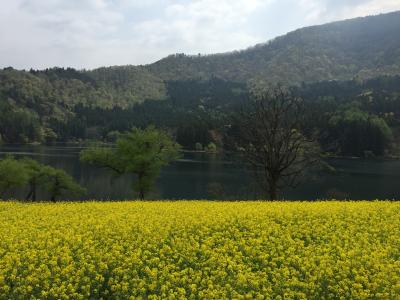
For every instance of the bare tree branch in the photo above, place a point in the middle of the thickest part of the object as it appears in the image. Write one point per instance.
(271, 141)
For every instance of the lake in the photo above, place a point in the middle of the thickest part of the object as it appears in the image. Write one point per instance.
(210, 176)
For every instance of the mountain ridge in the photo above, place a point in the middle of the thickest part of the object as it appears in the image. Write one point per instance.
(334, 50)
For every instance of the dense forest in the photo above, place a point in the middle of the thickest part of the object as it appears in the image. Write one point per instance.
(349, 117)
(347, 72)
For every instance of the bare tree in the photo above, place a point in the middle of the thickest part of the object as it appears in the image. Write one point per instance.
(271, 141)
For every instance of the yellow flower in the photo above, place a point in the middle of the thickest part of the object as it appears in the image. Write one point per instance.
(198, 249)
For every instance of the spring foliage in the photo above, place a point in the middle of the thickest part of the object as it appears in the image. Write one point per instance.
(200, 250)
(16, 174)
(142, 152)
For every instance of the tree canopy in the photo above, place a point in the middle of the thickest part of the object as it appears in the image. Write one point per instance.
(142, 152)
(13, 174)
(358, 132)
(59, 183)
(270, 139)
(28, 172)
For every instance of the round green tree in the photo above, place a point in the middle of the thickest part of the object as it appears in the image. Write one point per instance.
(142, 152)
(13, 174)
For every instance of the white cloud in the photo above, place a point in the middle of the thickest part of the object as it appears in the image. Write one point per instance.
(201, 26)
(47, 33)
(321, 11)
(372, 8)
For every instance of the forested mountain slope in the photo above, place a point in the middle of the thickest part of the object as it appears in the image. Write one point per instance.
(362, 47)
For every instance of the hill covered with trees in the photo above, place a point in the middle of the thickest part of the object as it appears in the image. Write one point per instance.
(361, 47)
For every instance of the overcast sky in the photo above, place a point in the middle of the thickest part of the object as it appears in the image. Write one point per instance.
(93, 33)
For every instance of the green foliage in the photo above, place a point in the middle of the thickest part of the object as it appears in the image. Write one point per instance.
(112, 136)
(142, 152)
(43, 176)
(19, 125)
(190, 133)
(359, 132)
(198, 146)
(127, 85)
(19, 173)
(103, 157)
(36, 176)
(49, 135)
(13, 174)
(211, 147)
(362, 48)
(59, 183)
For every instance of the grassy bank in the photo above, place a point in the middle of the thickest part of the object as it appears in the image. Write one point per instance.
(297, 250)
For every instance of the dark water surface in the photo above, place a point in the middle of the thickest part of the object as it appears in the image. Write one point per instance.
(205, 176)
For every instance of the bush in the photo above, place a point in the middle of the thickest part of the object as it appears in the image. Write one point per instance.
(198, 147)
(211, 147)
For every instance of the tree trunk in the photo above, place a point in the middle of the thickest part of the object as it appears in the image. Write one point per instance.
(32, 192)
(140, 185)
(53, 198)
(273, 191)
(28, 196)
(273, 194)
(141, 194)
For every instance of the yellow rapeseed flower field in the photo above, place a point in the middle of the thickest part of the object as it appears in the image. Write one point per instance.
(200, 250)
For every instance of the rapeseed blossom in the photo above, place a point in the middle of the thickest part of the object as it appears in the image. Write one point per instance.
(200, 250)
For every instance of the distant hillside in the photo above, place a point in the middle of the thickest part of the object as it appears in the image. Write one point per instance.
(362, 47)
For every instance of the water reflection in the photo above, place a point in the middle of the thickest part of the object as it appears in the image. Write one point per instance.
(205, 176)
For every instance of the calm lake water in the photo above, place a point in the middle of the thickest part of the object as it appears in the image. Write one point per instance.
(209, 176)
